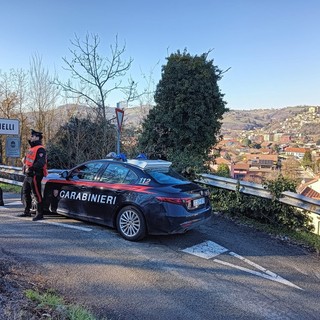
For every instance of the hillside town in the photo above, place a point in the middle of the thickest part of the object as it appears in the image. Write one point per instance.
(263, 153)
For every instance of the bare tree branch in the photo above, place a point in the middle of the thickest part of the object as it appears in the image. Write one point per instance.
(95, 76)
(42, 96)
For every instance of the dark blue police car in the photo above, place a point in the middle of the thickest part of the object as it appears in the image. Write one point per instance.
(137, 197)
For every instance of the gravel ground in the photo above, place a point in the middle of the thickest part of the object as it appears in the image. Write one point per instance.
(15, 278)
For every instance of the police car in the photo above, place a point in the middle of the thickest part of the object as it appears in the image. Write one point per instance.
(137, 197)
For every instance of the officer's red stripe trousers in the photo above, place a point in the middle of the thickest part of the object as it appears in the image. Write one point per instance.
(36, 189)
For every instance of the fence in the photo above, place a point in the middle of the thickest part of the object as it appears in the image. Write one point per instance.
(14, 175)
(287, 197)
(11, 175)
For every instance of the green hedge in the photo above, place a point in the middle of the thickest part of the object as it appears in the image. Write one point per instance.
(267, 211)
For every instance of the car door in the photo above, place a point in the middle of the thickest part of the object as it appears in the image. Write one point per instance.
(112, 191)
(75, 193)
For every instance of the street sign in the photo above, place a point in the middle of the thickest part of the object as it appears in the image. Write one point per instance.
(9, 126)
(119, 115)
(13, 147)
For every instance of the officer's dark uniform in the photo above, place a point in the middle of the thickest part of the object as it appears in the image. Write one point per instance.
(35, 166)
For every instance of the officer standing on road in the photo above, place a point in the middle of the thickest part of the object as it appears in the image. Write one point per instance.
(34, 168)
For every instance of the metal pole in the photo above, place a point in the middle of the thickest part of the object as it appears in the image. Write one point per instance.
(118, 142)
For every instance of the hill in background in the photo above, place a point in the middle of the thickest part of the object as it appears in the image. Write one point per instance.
(258, 118)
(234, 120)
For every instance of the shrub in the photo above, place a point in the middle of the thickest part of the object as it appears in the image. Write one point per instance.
(268, 211)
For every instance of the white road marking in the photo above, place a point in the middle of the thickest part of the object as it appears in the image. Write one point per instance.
(275, 278)
(253, 264)
(206, 250)
(4, 208)
(210, 249)
(14, 203)
(64, 225)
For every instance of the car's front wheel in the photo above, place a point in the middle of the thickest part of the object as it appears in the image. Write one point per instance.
(131, 224)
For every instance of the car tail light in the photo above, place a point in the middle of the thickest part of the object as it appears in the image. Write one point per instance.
(188, 202)
(173, 200)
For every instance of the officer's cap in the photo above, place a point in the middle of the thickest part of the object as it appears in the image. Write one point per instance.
(36, 133)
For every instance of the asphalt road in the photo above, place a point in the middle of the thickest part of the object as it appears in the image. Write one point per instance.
(219, 271)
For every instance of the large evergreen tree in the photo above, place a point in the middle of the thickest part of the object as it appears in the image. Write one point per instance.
(185, 123)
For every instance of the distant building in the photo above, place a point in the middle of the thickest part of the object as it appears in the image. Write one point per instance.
(239, 170)
(219, 161)
(266, 144)
(296, 152)
(277, 137)
(285, 138)
(268, 137)
(314, 109)
(255, 167)
(262, 161)
(312, 190)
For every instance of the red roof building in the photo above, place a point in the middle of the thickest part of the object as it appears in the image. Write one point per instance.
(296, 152)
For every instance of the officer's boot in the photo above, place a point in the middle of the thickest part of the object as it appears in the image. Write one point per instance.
(25, 214)
(39, 214)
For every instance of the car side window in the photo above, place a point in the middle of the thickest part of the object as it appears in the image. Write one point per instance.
(116, 173)
(131, 178)
(87, 171)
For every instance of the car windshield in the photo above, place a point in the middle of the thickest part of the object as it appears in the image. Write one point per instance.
(167, 176)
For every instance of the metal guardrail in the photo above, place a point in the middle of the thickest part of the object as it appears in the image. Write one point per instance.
(14, 175)
(11, 175)
(255, 189)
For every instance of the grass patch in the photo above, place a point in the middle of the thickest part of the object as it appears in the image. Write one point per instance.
(309, 240)
(47, 299)
(10, 188)
(79, 313)
(50, 304)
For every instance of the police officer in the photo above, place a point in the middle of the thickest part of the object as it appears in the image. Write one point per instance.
(35, 168)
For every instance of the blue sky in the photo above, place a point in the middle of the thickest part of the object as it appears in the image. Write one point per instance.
(271, 46)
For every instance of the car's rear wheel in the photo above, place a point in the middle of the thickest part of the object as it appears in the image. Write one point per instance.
(131, 224)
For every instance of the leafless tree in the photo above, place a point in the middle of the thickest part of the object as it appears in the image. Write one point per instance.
(8, 96)
(146, 100)
(95, 75)
(291, 168)
(43, 94)
(13, 86)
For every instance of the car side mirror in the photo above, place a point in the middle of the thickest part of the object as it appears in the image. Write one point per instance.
(64, 174)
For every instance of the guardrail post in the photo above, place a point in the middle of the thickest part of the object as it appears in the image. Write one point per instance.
(1, 198)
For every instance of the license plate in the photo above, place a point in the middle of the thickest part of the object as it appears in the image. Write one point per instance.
(198, 202)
